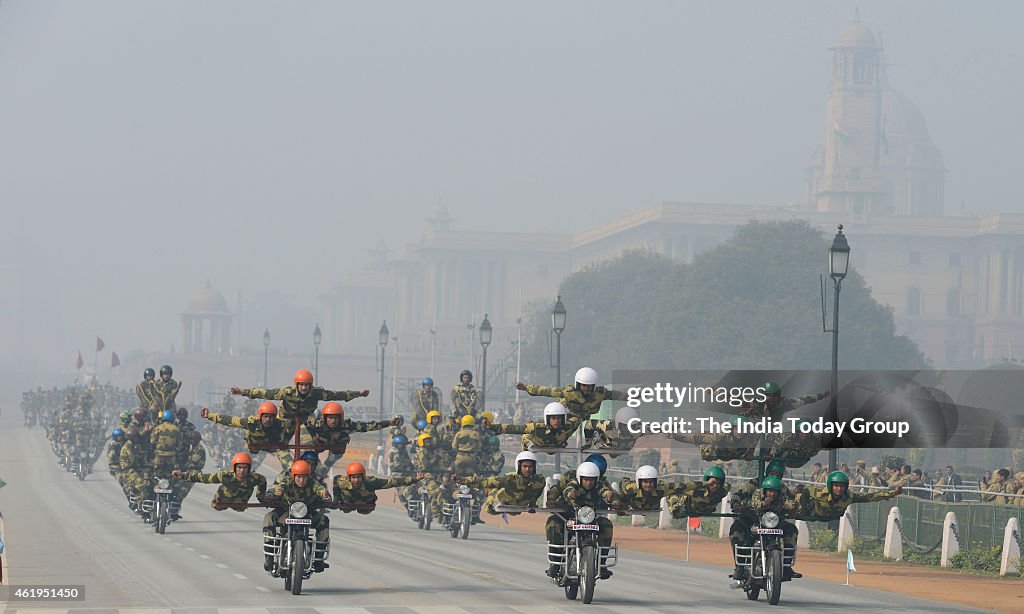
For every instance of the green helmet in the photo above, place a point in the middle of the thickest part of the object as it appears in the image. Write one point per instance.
(776, 466)
(125, 417)
(714, 472)
(837, 477)
(771, 483)
(772, 388)
(493, 440)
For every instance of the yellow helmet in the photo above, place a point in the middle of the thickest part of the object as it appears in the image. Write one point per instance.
(431, 415)
(468, 421)
(422, 438)
(488, 416)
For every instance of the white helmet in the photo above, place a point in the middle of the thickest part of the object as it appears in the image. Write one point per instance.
(554, 409)
(587, 470)
(525, 456)
(625, 414)
(586, 376)
(646, 472)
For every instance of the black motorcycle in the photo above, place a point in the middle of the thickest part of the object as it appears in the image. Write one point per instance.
(295, 549)
(458, 514)
(765, 560)
(579, 559)
(163, 506)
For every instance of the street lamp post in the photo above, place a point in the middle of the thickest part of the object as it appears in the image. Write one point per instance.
(558, 325)
(485, 340)
(382, 336)
(838, 265)
(266, 355)
(317, 337)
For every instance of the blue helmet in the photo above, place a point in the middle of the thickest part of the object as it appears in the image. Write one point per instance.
(420, 424)
(598, 460)
(428, 381)
(400, 440)
(117, 433)
(310, 457)
(167, 416)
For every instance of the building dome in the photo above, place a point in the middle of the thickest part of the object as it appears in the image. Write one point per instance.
(206, 300)
(856, 34)
(905, 133)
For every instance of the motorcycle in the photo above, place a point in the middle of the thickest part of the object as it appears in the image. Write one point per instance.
(765, 561)
(579, 558)
(419, 509)
(294, 549)
(162, 506)
(458, 515)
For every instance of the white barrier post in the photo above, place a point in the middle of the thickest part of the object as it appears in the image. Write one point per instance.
(1011, 548)
(845, 533)
(893, 544)
(725, 523)
(665, 517)
(950, 543)
(638, 520)
(803, 539)
(544, 496)
(370, 465)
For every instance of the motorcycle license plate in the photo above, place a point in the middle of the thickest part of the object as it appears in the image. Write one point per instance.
(298, 521)
(770, 531)
(585, 527)
(163, 491)
(465, 496)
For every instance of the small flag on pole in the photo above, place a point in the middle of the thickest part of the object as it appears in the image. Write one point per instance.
(849, 561)
(99, 344)
(504, 517)
(114, 360)
(79, 363)
(693, 523)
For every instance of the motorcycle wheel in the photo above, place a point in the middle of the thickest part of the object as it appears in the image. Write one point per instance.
(773, 581)
(455, 525)
(467, 520)
(298, 565)
(81, 472)
(588, 554)
(426, 520)
(161, 520)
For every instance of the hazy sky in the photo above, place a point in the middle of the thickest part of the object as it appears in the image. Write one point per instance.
(146, 147)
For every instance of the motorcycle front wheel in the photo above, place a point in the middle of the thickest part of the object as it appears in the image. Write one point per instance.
(298, 565)
(588, 556)
(467, 520)
(773, 580)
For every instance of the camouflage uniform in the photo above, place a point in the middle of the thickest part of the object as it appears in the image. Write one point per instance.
(720, 447)
(784, 505)
(336, 440)
(540, 435)
(164, 394)
(756, 411)
(295, 405)
(821, 505)
(399, 463)
(509, 489)
(464, 400)
(135, 470)
(280, 433)
(195, 461)
(607, 434)
(233, 493)
(314, 495)
(697, 500)
(114, 457)
(997, 487)
(633, 496)
(466, 444)
(346, 494)
(146, 391)
(165, 441)
(577, 405)
(793, 449)
(576, 496)
(422, 402)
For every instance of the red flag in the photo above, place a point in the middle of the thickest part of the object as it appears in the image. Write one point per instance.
(99, 344)
(693, 523)
(114, 360)
(79, 363)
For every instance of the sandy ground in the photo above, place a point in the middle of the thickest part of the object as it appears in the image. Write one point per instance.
(999, 594)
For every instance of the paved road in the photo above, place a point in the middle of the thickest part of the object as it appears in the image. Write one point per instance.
(60, 530)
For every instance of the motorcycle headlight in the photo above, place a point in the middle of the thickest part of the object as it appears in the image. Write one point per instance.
(298, 510)
(163, 484)
(464, 489)
(586, 515)
(770, 520)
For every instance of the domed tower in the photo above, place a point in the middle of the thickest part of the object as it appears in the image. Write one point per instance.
(206, 323)
(851, 180)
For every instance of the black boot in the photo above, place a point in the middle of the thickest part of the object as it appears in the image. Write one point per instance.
(788, 573)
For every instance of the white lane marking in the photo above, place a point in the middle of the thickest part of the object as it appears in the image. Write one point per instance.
(203, 556)
(177, 543)
(190, 549)
(221, 565)
(239, 576)
(263, 589)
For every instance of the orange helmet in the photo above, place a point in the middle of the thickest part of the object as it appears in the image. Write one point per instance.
(241, 459)
(354, 468)
(333, 409)
(266, 407)
(301, 467)
(303, 376)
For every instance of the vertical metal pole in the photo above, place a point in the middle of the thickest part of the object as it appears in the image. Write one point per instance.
(316, 365)
(558, 383)
(483, 382)
(266, 357)
(380, 433)
(833, 406)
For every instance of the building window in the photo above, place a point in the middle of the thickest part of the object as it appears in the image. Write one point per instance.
(953, 302)
(954, 259)
(913, 302)
(915, 258)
